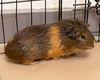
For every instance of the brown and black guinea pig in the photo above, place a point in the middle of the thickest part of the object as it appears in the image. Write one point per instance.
(49, 41)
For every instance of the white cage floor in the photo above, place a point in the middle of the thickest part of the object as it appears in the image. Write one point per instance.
(84, 66)
(1, 48)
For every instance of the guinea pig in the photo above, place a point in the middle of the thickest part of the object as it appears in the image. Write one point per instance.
(46, 41)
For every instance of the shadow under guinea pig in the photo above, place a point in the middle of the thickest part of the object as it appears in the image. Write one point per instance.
(37, 60)
(81, 54)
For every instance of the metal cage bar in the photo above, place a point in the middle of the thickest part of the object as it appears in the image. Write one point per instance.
(74, 10)
(45, 12)
(88, 7)
(11, 2)
(60, 10)
(99, 30)
(85, 11)
(31, 13)
(16, 16)
(2, 23)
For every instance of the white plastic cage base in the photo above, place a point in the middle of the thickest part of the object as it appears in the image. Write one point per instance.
(2, 48)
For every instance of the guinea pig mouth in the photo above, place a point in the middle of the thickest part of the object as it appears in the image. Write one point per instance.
(90, 47)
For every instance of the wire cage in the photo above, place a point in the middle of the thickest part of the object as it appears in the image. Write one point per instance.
(82, 12)
(86, 9)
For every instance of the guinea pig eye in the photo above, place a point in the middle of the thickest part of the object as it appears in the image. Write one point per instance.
(83, 36)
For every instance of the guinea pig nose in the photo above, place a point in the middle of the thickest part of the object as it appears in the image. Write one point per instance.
(92, 46)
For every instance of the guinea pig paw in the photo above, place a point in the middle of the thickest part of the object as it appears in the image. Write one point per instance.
(34, 62)
(30, 63)
(56, 58)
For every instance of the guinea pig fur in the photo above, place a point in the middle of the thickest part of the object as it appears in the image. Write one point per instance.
(49, 41)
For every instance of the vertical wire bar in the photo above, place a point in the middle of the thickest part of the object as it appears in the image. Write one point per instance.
(45, 14)
(2, 19)
(75, 10)
(31, 14)
(60, 10)
(99, 31)
(16, 16)
(85, 11)
(88, 11)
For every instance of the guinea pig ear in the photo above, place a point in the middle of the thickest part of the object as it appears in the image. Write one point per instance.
(73, 34)
(81, 23)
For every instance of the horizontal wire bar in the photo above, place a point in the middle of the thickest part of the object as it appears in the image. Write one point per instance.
(81, 4)
(18, 1)
(84, 9)
(79, 9)
(95, 7)
(95, 32)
